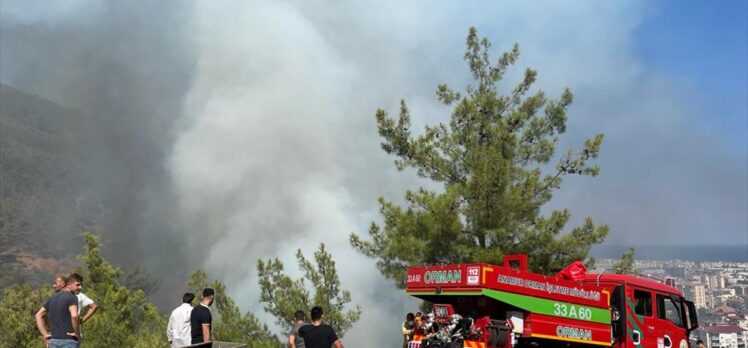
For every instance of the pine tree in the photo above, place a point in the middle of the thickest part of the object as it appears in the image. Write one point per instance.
(17, 308)
(283, 296)
(626, 263)
(125, 317)
(492, 159)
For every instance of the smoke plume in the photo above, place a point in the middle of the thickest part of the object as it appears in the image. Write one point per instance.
(250, 126)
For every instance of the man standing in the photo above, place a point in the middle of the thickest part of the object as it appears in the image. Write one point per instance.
(201, 319)
(294, 341)
(62, 309)
(319, 335)
(407, 327)
(178, 331)
(83, 302)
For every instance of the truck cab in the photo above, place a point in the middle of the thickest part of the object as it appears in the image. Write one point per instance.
(490, 306)
(646, 312)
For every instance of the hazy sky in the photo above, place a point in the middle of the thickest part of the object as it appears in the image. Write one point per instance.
(273, 146)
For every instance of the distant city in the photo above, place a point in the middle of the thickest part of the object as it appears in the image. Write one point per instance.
(733, 252)
(719, 289)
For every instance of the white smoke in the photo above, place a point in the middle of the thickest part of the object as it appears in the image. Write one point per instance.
(279, 148)
(270, 141)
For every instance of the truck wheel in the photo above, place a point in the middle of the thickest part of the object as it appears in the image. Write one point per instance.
(498, 334)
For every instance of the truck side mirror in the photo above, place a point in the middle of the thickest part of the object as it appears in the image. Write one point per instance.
(693, 321)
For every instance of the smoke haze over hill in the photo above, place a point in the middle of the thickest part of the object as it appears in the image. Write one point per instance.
(245, 129)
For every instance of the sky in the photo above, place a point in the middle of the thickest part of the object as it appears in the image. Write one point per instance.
(260, 116)
(704, 45)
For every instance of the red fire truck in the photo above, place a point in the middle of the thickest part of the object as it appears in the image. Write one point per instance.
(487, 306)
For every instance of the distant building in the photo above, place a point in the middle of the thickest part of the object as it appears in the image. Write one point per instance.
(678, 272)
(739, 303)
(743, 323)
(725, 336)
(723, 310)
(699, 296)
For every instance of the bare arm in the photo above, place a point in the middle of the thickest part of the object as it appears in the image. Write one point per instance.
(39, 317)
(338, 344)
(74, 319)
(206, 332)
(92, 308)
(292, 341)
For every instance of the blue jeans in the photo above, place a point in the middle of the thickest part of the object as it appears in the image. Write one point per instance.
(58, 343)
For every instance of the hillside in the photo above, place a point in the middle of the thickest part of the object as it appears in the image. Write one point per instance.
(46, 157)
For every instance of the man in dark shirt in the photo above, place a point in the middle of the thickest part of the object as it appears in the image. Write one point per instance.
(318, 335)
(200, 318)
(62, 310)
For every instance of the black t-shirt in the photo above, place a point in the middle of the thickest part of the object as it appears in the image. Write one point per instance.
(58, 308)
(200, 315)
(322, 336)
(299, 342)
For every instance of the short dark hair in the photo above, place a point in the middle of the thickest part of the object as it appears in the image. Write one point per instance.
(410, 317)
(299, 315)
(188, 297)
(699, 341)
(208, 292)
(317, 313)
(75, 277)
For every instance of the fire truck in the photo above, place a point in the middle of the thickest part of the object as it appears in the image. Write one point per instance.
(481, 305)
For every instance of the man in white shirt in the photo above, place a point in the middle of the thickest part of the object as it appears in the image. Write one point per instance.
(86, 302)
(178, 330)
(83, 302)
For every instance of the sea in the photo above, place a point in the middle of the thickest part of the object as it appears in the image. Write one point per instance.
(709, 253)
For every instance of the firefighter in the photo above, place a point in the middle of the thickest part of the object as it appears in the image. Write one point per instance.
(407, 328)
